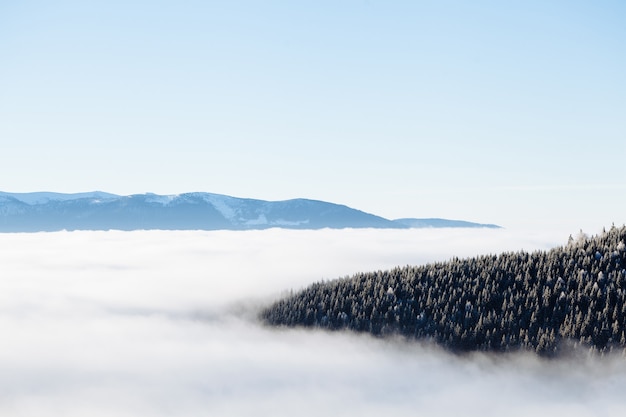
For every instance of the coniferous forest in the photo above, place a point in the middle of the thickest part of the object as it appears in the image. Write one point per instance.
(569, 297)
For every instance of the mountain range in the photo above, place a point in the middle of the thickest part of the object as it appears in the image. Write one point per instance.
(47, 211)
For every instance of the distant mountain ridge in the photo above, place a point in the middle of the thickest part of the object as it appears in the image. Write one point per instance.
(97, 210)
(436, 222)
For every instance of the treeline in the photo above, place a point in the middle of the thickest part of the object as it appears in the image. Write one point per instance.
(545, 301)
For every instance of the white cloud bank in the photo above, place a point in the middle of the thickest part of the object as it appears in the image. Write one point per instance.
(149, 324)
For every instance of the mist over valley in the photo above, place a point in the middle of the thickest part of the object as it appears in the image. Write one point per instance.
(164, 322)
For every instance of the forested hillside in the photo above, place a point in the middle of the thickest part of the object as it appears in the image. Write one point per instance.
(546, 301)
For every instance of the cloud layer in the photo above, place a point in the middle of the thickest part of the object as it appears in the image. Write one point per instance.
(160, 324)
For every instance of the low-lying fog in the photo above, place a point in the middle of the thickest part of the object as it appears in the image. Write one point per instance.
(161, 324)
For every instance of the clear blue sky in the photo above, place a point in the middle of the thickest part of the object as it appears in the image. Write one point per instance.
(493, 111)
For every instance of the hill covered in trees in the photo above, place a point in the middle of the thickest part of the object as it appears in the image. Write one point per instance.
(546, 301)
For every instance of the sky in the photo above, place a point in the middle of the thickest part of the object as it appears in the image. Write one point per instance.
(161, 323)
(497, 112)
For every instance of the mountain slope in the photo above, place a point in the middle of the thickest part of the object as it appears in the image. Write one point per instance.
(436, 222)
(44, 211)
(544, 301)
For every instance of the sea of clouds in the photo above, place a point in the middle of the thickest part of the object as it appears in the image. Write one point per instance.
(162, 323)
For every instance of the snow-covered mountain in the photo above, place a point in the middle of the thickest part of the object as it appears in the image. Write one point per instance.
(45, 211)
